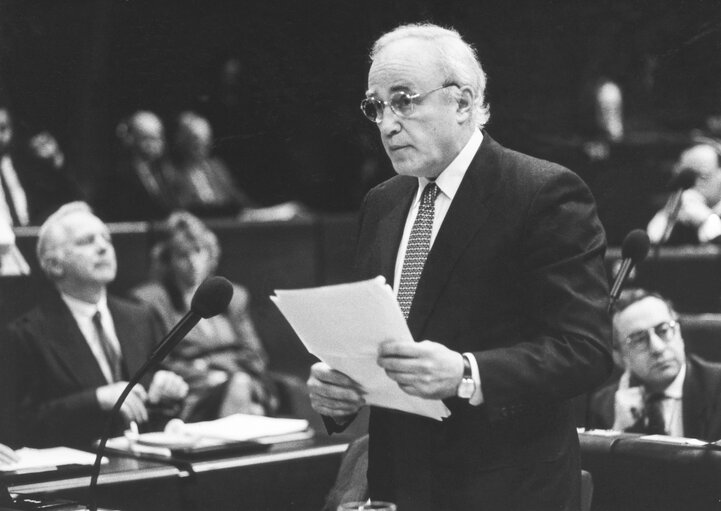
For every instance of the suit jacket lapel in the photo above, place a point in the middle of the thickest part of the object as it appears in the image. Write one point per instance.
(390, 229)
(69, 344)
(125, 327)
(467, 214)
(693, 405)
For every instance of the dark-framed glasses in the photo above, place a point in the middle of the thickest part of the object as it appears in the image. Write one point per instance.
(641, 340)
(402, 104)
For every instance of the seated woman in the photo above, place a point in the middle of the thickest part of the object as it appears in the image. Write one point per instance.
(221, 358)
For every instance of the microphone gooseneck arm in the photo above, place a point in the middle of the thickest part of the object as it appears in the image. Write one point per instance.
(179, 331)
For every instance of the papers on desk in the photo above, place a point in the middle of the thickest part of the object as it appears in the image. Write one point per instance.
(41, 460)
(675, 440)
(343, 325)
(238, 432)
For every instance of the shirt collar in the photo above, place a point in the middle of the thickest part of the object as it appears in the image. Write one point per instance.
(85, 309)
(450, 179)
(675, 389)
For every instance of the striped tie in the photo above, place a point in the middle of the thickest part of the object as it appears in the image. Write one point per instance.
(419, 243)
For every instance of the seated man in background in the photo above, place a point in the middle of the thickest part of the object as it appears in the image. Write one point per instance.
(138, 188)
(663, 390)
(221, 358)
(201, 182)
(698, 217)
(77, 349)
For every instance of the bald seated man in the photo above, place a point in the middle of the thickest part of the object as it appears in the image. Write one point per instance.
(139, 187)
(77, 349)
(698, 218)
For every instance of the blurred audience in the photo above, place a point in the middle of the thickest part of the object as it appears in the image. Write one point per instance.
(139, 188)
(222, 358)
(662, 390)
(201, 182)
(52, 184)
(698, 217)
(33, 177)
(77, 348)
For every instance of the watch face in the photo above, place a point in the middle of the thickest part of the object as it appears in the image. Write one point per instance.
(466, 388)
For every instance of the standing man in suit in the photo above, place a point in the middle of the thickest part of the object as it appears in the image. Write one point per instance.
(663, 390)
(78, 347)
(508, 310)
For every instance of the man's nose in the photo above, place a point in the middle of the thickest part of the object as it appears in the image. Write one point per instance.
(655, 343)
(390, 123)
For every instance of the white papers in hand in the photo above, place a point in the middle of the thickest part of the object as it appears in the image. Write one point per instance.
(343, 325)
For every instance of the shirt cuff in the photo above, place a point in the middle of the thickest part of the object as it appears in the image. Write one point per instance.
(477, 397)
(710, 229)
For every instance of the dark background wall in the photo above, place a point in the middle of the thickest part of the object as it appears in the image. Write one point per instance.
(294, 130)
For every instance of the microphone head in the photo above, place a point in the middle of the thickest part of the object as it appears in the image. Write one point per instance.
(212, 297)
(635, 246)
(684, 180)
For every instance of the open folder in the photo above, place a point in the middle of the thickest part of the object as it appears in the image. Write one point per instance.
(343, 325)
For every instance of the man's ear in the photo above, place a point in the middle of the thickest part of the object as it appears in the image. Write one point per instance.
(54, 267)
(466, 101)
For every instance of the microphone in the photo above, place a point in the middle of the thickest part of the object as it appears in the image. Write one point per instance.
(633, 251)
(210, 299)
(681, 182)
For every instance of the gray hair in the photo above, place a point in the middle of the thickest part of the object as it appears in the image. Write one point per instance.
(47, 249)
(458, 59)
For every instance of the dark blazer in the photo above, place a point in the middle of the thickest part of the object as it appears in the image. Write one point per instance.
(701, 402)
(58, 373)
(516, 276)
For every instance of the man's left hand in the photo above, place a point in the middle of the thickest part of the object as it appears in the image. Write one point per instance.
(426, 369)
(168, 386)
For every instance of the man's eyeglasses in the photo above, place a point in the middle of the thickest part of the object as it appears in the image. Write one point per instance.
(641, 340)
(402, 104)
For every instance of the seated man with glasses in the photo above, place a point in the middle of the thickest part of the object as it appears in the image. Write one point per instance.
(663, 390)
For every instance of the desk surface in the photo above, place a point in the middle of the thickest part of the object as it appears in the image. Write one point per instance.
(291, 475)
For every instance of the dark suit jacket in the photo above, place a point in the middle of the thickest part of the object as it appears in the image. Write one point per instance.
(58, 373)
(516, 276)
(701, 402)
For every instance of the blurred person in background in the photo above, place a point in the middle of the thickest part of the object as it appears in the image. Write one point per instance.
(14, 206)
(201, 182)
(52, 184)
(138, 189)
(663, 390)
(79, 346)
(33, 175)
(222, 358)
(698, 217)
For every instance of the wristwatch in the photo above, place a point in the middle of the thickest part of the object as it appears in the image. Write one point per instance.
(468, 385)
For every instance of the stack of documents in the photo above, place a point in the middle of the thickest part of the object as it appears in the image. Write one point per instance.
(41, 460)
(237, 432)
(343, 325)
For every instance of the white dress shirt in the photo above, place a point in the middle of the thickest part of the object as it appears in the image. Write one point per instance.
(83, 313)
(448, 183)
(672, 404)
(19, 199)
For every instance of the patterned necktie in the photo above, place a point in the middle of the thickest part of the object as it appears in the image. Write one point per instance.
(111, 354)
(654, 412)
(419, 243)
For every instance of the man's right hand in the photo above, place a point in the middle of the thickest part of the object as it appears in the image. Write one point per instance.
(332, 393)
(629, 406)
(133, 409)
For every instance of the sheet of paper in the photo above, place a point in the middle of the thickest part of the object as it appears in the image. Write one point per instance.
(32, 460)
(343, 325)
(239, 427)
